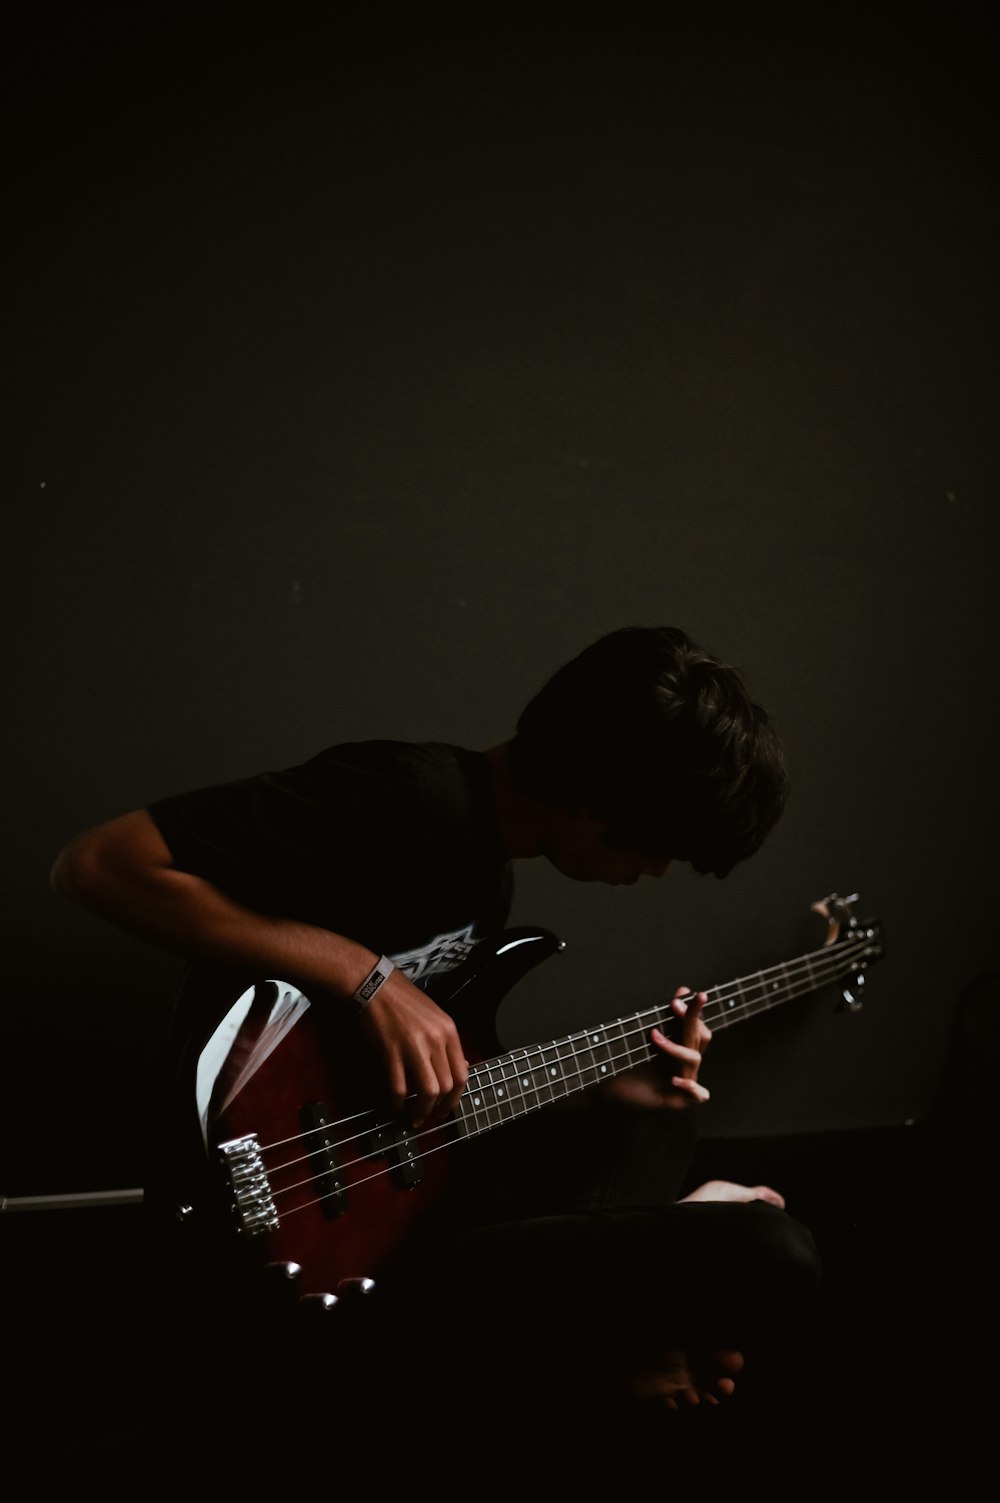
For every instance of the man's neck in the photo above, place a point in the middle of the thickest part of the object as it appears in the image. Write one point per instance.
(523, 822)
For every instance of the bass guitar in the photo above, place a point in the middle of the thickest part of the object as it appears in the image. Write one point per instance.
(308, 1177)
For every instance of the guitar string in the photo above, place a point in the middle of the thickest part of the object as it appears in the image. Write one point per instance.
(836, 961)
(774, 994)
(480, 1073)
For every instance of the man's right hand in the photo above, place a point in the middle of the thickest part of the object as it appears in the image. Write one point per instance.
(420, 1048)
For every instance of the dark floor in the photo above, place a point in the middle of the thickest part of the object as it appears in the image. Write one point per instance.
(900, 1384)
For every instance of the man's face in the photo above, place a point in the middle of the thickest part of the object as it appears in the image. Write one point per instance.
(579, 848)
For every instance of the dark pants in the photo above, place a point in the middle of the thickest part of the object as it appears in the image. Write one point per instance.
(533, 1324)
(559, 1311)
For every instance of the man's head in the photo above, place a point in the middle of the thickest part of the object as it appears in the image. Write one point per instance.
(659, 742)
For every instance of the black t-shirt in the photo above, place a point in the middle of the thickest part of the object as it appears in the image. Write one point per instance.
(397, 846)
(394, 844)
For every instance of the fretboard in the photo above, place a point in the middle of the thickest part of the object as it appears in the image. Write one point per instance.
(510, 1085)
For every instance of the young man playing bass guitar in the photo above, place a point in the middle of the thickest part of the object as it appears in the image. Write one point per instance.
(369, 874)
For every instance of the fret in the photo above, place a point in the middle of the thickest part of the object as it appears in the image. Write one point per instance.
(511, 1088)
(465, 1114)
(531, 1079)
(594, 1057)
(528, 1081)
(759, 998)
(479, 1099)
(473, 1117)
(735, 1004)
(549, 1072)
(488, 1094)
(584, 1073)
(635, 1031)
(663, 1018)
(600, 1057)
(762, 991)
(777, 986)
(621, 1057)
(500, 1076)
(551, 1066)
(521, 1091)
(753, 995)
(576, 1064)
(642, 1048)
(569, 1065)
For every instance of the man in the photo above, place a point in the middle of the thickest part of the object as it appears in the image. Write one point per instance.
(373, 868)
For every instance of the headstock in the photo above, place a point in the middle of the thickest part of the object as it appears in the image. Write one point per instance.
(840, 916)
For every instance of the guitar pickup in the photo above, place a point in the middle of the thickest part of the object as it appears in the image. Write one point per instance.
(326, 1171)
(395, 1142)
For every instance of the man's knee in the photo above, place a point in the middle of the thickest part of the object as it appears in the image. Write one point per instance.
(781, 1244)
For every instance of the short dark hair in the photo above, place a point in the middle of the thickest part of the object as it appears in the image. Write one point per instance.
(659, 739)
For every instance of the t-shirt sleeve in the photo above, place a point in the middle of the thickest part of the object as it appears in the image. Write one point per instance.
(298, 842)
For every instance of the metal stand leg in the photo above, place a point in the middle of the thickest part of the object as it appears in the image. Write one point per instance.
(82, 1201)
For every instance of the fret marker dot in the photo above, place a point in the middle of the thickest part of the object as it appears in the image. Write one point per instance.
(499, 1090)
(477, 1100)
(604, 1069)
(553, 1071)
(524, 1081)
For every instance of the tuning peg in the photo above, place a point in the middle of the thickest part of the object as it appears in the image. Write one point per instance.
(835, 908)
(853, 1001)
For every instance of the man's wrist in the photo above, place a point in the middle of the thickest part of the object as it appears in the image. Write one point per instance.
(373, 982)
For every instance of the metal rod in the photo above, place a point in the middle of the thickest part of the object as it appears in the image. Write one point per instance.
(75, 1202)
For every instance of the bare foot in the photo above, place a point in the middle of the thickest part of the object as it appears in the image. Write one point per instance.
(724, 1189)
(674, 1383)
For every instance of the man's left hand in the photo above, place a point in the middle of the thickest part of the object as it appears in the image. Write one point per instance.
(672, 1080)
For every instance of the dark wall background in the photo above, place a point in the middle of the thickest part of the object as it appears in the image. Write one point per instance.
(364, 367)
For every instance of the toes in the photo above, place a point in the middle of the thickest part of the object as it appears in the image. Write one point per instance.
(730, 1362)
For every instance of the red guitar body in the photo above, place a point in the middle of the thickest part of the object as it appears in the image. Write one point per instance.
(298, 1165)
(347, 1182)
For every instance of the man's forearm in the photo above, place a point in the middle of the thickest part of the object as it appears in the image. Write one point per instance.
(124, 872)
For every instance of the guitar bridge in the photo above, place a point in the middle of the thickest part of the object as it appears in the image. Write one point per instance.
(252, 1199)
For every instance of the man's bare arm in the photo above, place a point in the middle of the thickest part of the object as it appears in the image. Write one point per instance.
(124, 871)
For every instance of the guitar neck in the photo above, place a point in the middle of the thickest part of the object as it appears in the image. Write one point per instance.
(510, 1085)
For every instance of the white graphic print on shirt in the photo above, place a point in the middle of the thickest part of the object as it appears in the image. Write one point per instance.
(443, 953)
